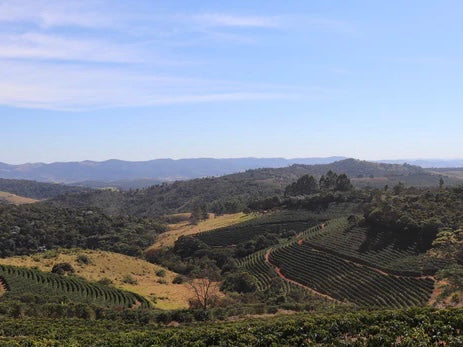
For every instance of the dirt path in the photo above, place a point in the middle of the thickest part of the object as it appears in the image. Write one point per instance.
(280, 274)
(300, 241)
(2, 287)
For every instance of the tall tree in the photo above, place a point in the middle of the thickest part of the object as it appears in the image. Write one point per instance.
(304, 185)
(343, 183)
(328, 181)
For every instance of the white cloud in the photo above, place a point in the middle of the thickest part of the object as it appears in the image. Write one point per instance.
(77, 87)
(226, 20)
(54, 54)
(52, 47)
(55, 13)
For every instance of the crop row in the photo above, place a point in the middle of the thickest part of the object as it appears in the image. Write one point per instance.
(347, 281)
(263, 272)
(234, 235)
(23, 280)
(357, 245)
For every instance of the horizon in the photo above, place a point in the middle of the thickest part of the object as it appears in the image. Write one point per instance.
(339, 158)
(139, 80)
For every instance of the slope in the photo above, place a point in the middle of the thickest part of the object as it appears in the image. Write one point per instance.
(232, 193)
(36, 190)
(147, 279)
(9, 198)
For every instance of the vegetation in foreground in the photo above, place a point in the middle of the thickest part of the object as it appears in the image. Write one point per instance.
(413, 327)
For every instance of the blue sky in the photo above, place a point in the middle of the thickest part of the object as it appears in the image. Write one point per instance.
(140, 80)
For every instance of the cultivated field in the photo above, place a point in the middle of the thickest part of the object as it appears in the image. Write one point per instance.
(115, 267)
(185, 228)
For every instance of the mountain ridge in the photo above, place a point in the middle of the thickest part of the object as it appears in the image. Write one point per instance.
(159, 169)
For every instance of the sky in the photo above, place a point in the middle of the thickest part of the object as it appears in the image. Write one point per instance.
(139, 80)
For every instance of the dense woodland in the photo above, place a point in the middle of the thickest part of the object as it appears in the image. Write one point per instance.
(232, 193)
(37, 190)
(31, 228)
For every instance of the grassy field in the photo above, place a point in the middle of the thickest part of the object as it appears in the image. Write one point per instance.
(15, 199)
(184, 228)
(115, 267)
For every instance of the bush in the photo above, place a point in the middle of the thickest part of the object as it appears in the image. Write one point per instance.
(105, 281)
(83, 259)
(178, 280)
(239, 282)
(129, 279)
(62, 268)
(161, 273)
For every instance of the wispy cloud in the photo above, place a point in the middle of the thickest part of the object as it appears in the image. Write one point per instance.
(52, 47)
(226, 20)
(69, 87)
(55, 13)
(74, 55)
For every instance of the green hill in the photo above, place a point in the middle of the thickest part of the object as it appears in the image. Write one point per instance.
(232, 193)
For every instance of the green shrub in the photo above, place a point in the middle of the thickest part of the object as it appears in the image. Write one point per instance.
(178, 279)
(83, 259)
(161, 273)
(129, 279)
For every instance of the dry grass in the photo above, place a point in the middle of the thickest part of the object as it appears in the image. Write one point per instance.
(184, 228)
(453, 299)
(115, 267)
(16, 199)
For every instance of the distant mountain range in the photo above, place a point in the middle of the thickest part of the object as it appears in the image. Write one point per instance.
(138, 174)
(158, 169)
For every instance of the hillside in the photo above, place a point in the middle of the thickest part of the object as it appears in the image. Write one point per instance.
(232, 193)
(185, 228)
(9, 198)
(149, 279)
(31, 228)
(21, 282)
(36, 190)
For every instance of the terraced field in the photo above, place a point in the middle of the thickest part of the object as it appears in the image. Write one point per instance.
(347, 281)
(263, 272)
(235, 235)
(355, 244)
(328, 260)
(277, 223)
(114, 267)
(17, 281)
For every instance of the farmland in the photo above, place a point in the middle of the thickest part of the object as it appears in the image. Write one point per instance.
(413, 327)
(115, 267)
(18, 281)
(185, 228)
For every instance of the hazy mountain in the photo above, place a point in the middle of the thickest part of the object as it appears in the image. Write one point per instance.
(158, 169)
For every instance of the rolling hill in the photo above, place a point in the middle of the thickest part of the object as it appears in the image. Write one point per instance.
(36, 190)
(9, 198)
(149, 280)
(231, 193)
